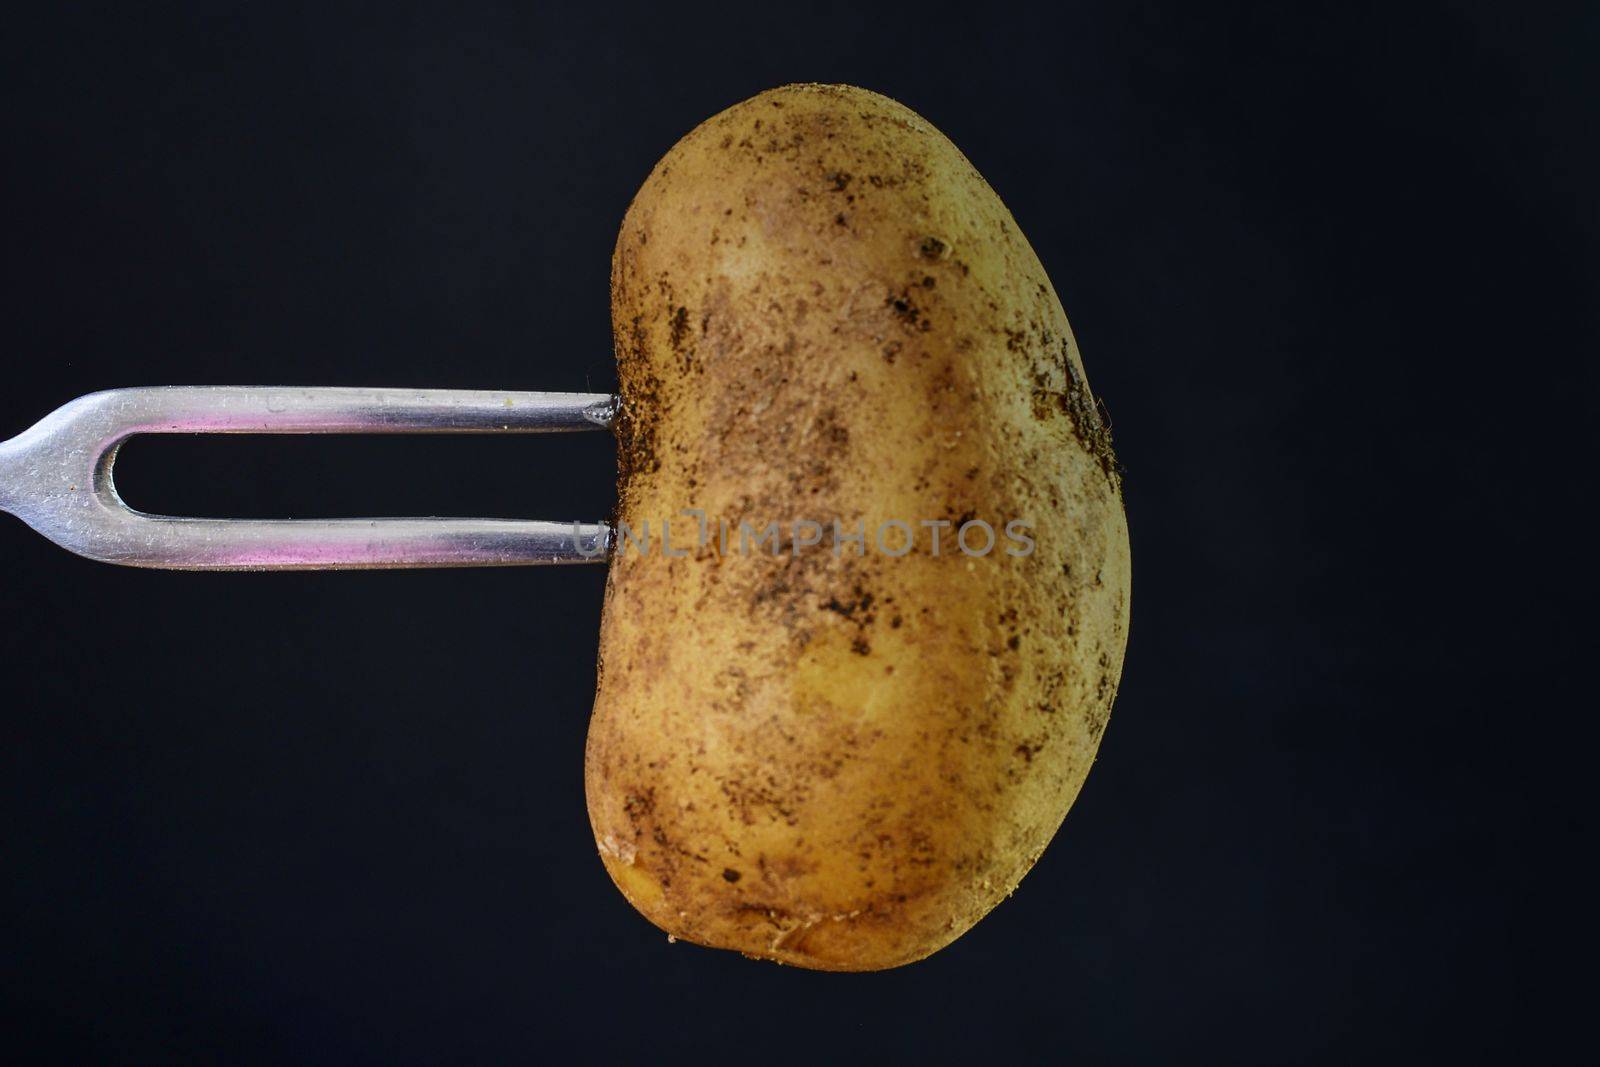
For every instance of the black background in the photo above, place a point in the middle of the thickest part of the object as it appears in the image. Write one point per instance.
(1333, 270)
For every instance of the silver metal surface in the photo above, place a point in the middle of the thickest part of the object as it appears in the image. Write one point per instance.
(56, 477)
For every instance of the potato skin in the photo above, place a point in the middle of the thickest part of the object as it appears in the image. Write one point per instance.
(843, 761)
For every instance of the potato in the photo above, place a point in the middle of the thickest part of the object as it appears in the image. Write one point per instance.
(841, 755)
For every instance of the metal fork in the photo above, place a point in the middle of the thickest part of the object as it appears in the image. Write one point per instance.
(57, 477)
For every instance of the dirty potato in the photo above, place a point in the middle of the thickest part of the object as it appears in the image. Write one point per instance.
(840, 744)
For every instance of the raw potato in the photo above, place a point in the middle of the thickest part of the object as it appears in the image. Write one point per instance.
(841, 760)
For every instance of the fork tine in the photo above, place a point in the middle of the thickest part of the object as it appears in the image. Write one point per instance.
(57, 477)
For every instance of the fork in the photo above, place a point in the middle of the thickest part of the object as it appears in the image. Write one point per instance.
(57, 478)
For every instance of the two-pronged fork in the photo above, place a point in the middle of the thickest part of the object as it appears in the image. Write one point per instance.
(57, 477)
